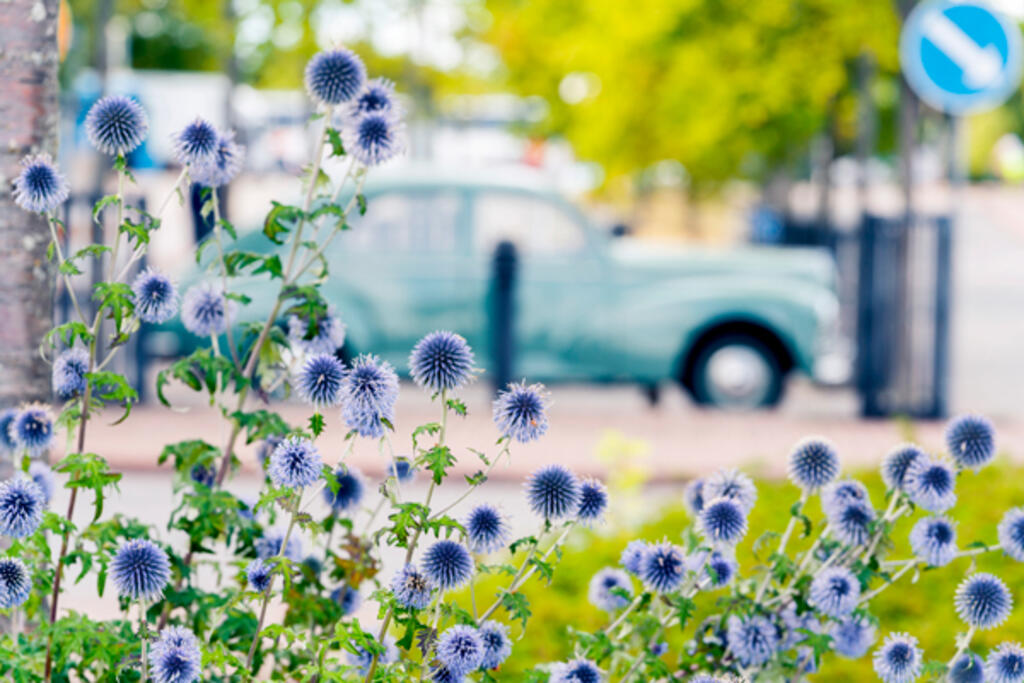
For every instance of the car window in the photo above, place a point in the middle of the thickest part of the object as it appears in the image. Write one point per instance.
(534, 225)
(399, 221)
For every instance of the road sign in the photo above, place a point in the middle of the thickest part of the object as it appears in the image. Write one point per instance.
(960, 57)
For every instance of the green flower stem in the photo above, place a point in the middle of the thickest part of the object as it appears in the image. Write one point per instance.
(437, 515)
(892, 513)
(52, 222)
(870, 595)
(663, 622)
(625, 613)
(963, 642)
(141, 248)
(970, 552)
(144, 638)
(223, 273)
(783, 542)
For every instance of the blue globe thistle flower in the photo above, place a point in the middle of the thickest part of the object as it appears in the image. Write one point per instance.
(721, 568)
(447, 564)
(40, 187)
(267, 448)
(633, 555)
(176, 656)
(460, 648)
(155, 297)
(520, 412)
(839, 494)
(295, 463)
(116, 124)
(196, 143)
(43, 476)
(441, 360)
(497, 644)
(852, 636)
(329, 337)
(32, 429)
(850, 524)
(705, 678)
(350, 490)
(334, 76)
(968, 668)
(658, 649)
(605, 586)
(835, 591)
(1005, 664)
(319, 380)
(663, 567)
(8, 444)
(21, 507)
(68, 377)
(412, 588)
(929, 483)
(402, 470)
(723, 521)
(140, 570)
(693, 496)
(370, 392)
(593, 501)
(1011, 533)
(269, 546)
(363, 658)
(576, 671)
(753, 640)
(898, 463)
(971, 440)
(983, 601)
(374, 138)
(347, 598)
(553, 492)
(15, 582)
(899, 659)
(205, 311)
(376, 97)
(486, 529)
(731, 484)
(933, 540)
(203, 475)
(225, 164)
(258, 574)
(442, 674)
(813, 463)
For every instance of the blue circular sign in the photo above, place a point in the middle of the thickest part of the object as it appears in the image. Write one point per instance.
(960, 57)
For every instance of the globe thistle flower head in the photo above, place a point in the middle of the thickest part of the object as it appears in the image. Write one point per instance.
(223, 166)
(1005, 664)
(334, 76)
(933, 540)
(269, 546)
(374, 138)
(15, 582)
(32, 429)
(258, 574)
(155, 297)
(402, 470)
(839, 494)
(835, 591)
(850, 524)
(43, 476)
(205, 311)
(606, 588)
(971, 440)
(486, 529)
(899, 659)
(553, 492)
(319, 380)
(412, 588)
(362, 658)
(897, 463)
(968, 668)
(983, 601)
(633, 555)
(21, 507)
(8, 444)
(347, 598)
(140, 570)
(1011, 533)
(693, 496)
(663, 567)
(497, 644)
(723, 521)
(203, 475)
(813, 464)
(40, 187)
(576, 671)
(369, 394)
(442, 674)
(520, 412)
(176, 656)
(460, 648)
(116, 125)
(930, 483)
(196, 143)
(852, 636)
(441, 361)
(731, 484)
(753, 640)
(329, 336)
(447, 564)
(593, 501)
(295, 463)
(376, 97)
(68, 376)
(350, 490)
(721, 568)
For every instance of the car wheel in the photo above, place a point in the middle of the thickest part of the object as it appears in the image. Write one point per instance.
(737, 372)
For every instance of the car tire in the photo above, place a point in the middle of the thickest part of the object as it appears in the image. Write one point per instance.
(737, 372)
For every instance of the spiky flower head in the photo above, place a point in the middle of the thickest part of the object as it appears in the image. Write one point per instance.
(69, 368)
(720, 568)
(1011, 533)
(576, 671)
(155, 297)
(116, 124)
(225, 164)
(898, 463)
(203, 475)
(633, 555)
(520, 412)
(334, 76)
(593, 501)
(497, 644)
(968, 668)
(606, 588)
(412, 588)
(839, 494)
(693, 496)
(460, 648)
(319, 380)
(258, 574)
(447, 564)
(486, 529)
(328, 337)
(140, 570)
(933, 540)
(930, 483)
(40, 187)
(350, 490)
(850, 524)
(374, 138)
(835, 591)
(723, 521)
(43, 476)
(196, 143)
(295, 463)
(402, 470)
(753, 640)
(1005, 664)
(369, 394)
(177, 657)
(269, 546)
(553, 492)
(899, 659)
(376, 97)
(15, 582)
(983, 601)
(441, 360)
(971, 440)
(731, 484)
(8, 444)
(852, 636)
(21, 507)
(813, 463)
(347, 598)
(442, 674)
(362, 658)
(205, 311)
(32, 429)
(663, 567)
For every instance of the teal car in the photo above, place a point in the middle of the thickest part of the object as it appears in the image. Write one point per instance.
(730, 325)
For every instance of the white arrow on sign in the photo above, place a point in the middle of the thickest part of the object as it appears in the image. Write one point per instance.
(980, 65)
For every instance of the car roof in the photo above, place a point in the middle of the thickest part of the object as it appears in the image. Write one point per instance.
(426, 176)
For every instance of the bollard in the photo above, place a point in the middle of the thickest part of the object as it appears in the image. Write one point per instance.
(502, 313)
